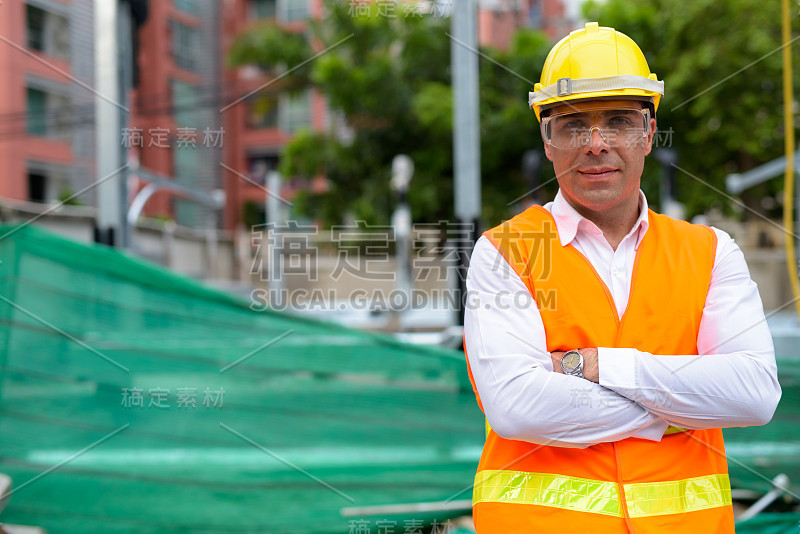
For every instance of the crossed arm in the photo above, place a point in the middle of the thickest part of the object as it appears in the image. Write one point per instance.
(625, 392)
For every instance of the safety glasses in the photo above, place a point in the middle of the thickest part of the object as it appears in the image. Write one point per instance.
(618, 127)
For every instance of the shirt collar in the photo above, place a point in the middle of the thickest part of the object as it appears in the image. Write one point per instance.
(569, 222)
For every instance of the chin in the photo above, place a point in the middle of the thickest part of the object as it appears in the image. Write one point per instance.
(600, 200)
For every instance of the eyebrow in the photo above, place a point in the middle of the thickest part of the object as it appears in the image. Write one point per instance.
(593, 111)
(588, 113)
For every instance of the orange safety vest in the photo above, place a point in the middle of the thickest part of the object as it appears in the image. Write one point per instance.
(680, 484)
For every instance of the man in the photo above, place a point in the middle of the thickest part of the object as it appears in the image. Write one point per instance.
(640, 338)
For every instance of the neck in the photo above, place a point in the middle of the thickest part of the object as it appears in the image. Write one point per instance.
(615, 223)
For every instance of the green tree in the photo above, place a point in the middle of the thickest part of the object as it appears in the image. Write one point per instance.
(389, 77)
(721, 65)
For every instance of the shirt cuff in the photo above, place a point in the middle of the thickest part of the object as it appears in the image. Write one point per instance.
(654, 431)
(617, 369)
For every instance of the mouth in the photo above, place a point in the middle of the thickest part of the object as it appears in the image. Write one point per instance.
(598, 172)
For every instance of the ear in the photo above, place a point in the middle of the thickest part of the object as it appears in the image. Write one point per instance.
(649, 144)
(548, 150)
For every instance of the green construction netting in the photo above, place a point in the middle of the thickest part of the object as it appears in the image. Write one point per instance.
(757, 454)
(770, 524)
(136, 400)
(125, 376)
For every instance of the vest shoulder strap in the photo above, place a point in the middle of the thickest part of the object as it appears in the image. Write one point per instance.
(515, 238)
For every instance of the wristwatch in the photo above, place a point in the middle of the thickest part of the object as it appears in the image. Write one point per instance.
(572, 363)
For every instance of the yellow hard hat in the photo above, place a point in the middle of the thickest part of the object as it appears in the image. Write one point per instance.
(594, 62)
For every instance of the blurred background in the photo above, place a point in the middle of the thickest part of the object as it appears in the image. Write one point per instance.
(233, 238)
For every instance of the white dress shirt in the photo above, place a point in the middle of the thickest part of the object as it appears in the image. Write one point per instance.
(639, 394)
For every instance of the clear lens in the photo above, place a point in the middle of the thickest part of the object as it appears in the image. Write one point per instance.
(617, 127)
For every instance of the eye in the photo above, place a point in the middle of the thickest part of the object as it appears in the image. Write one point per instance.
(571, 123)
(575, 123)
(625, 120)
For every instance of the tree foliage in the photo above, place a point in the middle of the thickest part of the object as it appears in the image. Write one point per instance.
(721, 64)
(389, 77)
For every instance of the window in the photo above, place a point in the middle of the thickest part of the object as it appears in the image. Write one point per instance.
(48, 183)
(183, 45)
(47, 32)
(37, 112)
(36, 187)
(185, 165)
(263, 9)
(35, 28)
(48, 114)
(262, 111)
(535, 16)
(184, 104)
(260, 166)
(295, 10)
(295, 111)
(187, 6)
(286, 10)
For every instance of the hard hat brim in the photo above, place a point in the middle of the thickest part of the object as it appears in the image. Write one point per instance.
(568, 90)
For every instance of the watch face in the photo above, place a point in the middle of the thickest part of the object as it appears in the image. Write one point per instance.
(570, 361)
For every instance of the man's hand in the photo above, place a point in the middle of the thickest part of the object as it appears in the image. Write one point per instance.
(590, 369)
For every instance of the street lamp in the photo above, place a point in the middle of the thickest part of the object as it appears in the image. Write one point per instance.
(402, 171)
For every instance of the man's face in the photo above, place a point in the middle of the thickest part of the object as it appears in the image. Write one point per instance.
(602, 175)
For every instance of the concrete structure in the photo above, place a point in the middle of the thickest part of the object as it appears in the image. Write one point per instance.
(187, 251)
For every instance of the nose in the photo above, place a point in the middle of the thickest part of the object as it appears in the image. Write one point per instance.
(598, 142)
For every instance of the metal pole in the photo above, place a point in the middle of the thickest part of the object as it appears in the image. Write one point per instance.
(273, 206)
(107, 121)
(780, 485)
(212, 250)
(466, 135)
(796, 201)
(788, 128)
(125, 74)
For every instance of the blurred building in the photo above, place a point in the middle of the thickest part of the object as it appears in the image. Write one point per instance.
(175, 126)
(46, 131)
(499, 19)
(192, 117)
(257, 131)
(262, 123)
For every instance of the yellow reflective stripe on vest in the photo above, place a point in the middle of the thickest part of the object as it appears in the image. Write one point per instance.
(600, 497)
(678, 496)
(559, 491)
